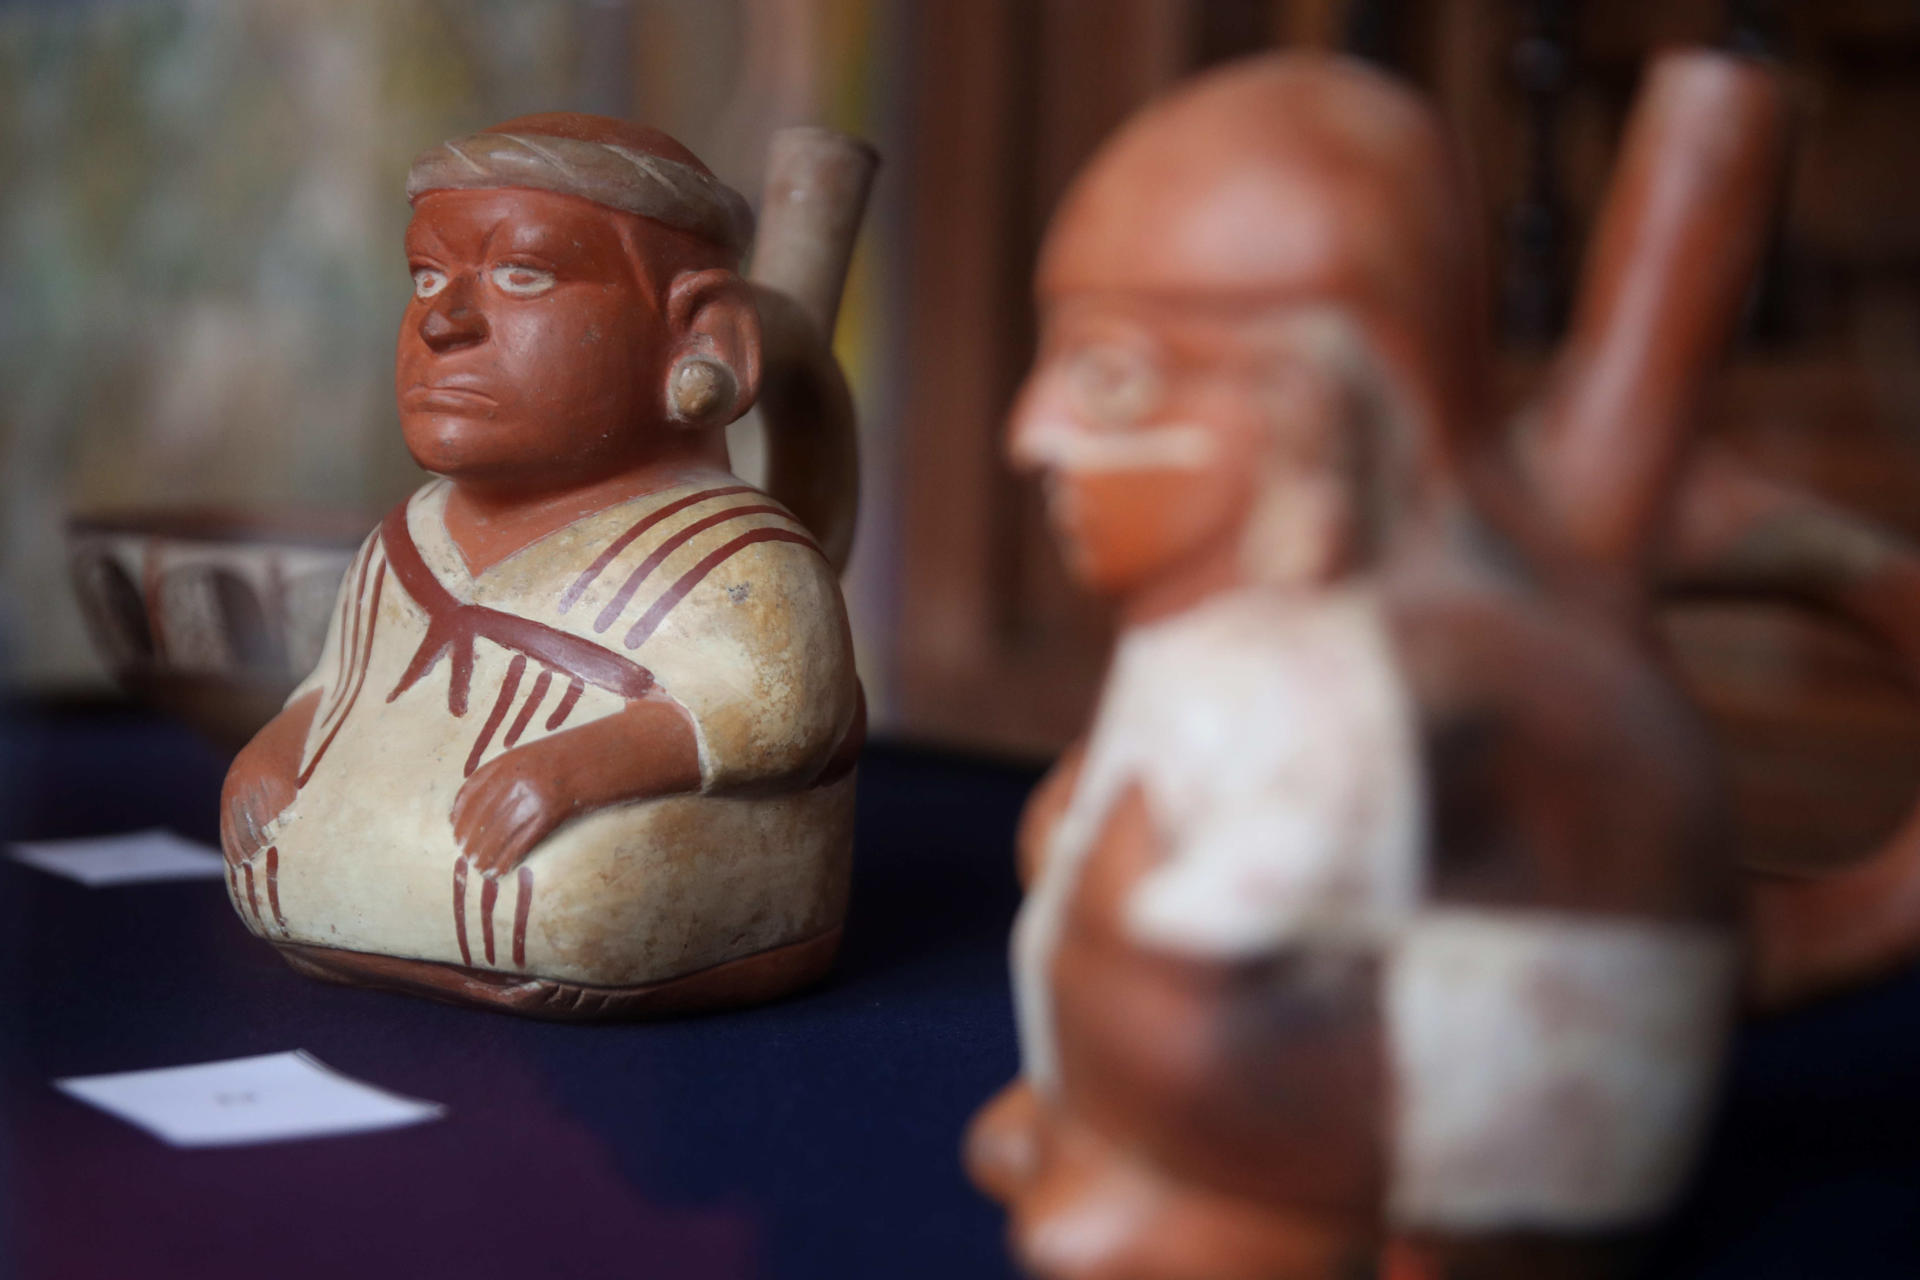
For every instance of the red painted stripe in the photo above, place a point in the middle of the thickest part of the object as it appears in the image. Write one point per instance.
(572, 594)
(253, 899)
(455, 627)
(460, 678)
(508, 688)
(489, 894)
(273, 884)
(348, 599)
(436, 642)
(233, 884)
(527, 708)
(366, 660)
(624, 596)
(567, 699)
(460, 909)
(349, 641)
(672, 596)
(522, 907)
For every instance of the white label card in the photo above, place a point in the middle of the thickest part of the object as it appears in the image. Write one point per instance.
(271, 1098)
(128, 859)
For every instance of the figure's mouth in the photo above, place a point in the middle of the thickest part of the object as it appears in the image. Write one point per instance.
(446, 399)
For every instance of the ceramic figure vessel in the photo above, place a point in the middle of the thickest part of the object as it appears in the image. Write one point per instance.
(581, 740)
(1385, 920)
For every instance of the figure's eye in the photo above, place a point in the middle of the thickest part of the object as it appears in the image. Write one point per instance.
(521, 280)
(1113, 386)
(428, 281)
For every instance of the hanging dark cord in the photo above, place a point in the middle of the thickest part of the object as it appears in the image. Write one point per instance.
(1757, 28)
(1373, 30)
(1534, 286)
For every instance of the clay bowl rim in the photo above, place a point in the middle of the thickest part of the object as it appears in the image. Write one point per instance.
(313, 528)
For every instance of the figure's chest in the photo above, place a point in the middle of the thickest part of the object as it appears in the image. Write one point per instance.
(1273, 754)
(1254, 958)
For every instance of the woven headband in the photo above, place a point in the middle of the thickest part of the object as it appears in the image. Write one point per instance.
(605, 173)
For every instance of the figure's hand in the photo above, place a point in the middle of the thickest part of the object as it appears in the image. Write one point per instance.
(260, 785)
(255, 793)
(509, 805)
(515, 800)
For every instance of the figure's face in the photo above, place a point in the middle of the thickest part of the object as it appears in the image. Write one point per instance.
(1159, 428)
(531, 354)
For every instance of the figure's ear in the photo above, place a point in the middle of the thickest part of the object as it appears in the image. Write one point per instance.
(714, 375)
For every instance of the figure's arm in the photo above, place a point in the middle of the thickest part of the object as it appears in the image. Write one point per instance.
(261, 782)
(516, 800)
(780, 732)
(264, 777)
(1042, 814)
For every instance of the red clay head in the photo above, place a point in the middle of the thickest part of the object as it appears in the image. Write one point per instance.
(570, 273)
(1245, 274)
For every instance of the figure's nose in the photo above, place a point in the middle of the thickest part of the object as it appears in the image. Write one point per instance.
(1029, 431)
(453, 321)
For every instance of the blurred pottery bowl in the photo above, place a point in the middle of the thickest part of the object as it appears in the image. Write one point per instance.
(212, 616)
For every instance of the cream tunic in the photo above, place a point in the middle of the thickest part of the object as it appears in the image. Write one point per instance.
(706, 592)
(1275, 749)
(1546, 1069)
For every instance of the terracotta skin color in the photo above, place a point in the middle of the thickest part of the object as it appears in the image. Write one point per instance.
(1383, 923)
(1744, 535)
(542, 370)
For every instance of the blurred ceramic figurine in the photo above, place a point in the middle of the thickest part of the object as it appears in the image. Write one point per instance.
(1384, 921)
(581, 740)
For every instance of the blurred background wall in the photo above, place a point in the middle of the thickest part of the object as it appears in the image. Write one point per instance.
(1015, 93)
(200, 213)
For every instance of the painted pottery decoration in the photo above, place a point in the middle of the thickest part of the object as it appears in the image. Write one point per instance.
(210, 615)
(1385, 920)
(581, 740)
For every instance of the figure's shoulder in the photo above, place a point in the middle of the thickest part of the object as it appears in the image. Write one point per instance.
(671, 516)
(758, 576)
(704, 489)
(1544, 668)
(1561, 753)
(687, 557)
(737, 608)
(1240, 652)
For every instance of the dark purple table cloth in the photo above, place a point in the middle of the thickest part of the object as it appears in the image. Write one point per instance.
(813, 1138)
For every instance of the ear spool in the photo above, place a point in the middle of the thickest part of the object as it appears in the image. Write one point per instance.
(701, 392)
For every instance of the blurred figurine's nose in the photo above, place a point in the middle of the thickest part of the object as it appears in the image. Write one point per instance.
(1031, 433)
(452, 321)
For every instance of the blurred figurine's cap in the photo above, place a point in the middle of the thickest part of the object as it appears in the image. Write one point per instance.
(1299, 178)
(611, 162)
